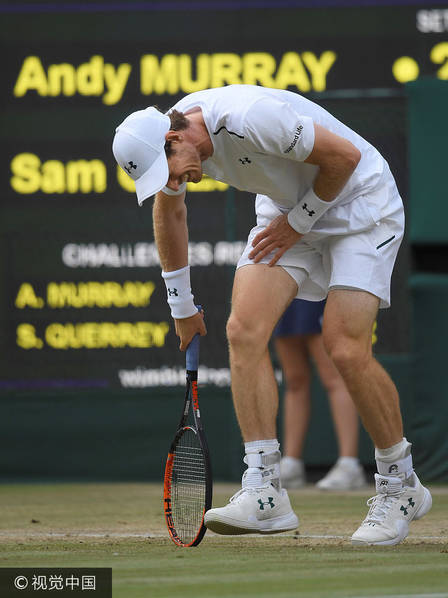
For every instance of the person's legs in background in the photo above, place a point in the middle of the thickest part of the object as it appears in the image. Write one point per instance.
(295, 362)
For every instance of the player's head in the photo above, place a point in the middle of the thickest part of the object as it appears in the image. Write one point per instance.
(148, 146)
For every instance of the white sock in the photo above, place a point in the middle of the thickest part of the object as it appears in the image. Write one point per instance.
(292, 460)
(349, 461)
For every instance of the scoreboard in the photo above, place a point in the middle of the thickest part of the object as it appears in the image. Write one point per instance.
(82, 303)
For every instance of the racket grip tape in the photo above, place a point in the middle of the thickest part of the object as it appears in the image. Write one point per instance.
(192, 354)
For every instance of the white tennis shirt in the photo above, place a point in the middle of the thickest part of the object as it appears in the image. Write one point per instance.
(262, 136)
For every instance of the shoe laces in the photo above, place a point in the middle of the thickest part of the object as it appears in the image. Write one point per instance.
(386, 498)
(379, 507)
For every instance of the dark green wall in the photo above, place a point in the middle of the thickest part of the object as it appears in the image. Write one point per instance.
(125, 436)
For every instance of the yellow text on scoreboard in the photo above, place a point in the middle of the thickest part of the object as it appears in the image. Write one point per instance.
(174, 73)
(87, 294)
(30, 174)
(93, 335)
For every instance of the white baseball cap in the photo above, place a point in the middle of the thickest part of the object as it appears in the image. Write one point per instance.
(139, 148)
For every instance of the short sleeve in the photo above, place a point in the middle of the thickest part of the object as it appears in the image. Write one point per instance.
(274, 127)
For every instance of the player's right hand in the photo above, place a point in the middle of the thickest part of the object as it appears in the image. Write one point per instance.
(276, 238)
(186, 328)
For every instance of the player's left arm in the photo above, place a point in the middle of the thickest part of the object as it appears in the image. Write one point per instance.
(337, 159)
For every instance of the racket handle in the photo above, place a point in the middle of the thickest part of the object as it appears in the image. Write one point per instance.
(192, 356)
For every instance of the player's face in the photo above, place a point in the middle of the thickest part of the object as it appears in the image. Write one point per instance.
(185, 166)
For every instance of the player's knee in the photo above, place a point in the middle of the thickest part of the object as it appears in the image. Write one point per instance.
(348, 354)
(242, 334)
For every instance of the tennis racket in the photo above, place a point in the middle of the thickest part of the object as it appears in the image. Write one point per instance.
(188, 477)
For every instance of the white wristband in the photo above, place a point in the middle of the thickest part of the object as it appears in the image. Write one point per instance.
(309, 209)
(179, 296)
(169, 191)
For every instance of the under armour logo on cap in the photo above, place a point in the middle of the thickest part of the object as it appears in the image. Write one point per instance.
(131, 165)
(139, 148)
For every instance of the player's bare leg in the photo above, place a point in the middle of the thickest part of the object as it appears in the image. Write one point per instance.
(401, 498)
(260, 295)
(347, 333)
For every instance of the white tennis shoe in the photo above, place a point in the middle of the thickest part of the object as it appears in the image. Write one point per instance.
(343, 476)
(392, 510)
(261, 510)
(292, 473)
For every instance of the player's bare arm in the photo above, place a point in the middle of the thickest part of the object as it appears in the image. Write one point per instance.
(171, 236)
(337, 159)
(170, 230)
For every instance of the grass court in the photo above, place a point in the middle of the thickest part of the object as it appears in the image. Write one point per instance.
(122, 526)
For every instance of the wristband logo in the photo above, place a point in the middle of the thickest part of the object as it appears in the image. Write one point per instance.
(173, 293)
(309, 212)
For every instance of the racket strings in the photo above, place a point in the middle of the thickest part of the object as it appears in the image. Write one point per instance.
(188, 486)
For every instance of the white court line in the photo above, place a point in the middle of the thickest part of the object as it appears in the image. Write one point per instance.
(85, 534)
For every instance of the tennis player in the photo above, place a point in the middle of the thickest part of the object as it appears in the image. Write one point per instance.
(298, 342)
(329, 224)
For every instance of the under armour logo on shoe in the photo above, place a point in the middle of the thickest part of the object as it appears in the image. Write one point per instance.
(411, 503)
(309, 212)
(269, 502)
(244, 160)
(131, 165)
(172, 292)
(403, 508)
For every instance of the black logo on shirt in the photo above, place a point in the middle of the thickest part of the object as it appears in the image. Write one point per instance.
(244, 160)
(294, 141)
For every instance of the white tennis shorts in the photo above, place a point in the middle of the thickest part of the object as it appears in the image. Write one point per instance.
(354, 245)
